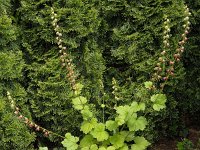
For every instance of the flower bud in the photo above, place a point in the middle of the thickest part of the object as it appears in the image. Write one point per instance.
(160, 59)
(12, 105)
(38, 128)
(172, 69)
(186, 18)
(165, 78)
(171, 62)
(20, 117)
(185, 39)
(163, 52)
(158, 64)
(166, 27)
(159, 77)
(31, 125)
(58, 33)
(46, 133)
(55, 20)
(156, 68)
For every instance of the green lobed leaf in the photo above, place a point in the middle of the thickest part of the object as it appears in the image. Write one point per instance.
(87, 141)
(87, 126)
(136, 124)
(117, 140)
(102, 148)
(111, 148)
(159, 101)
(99, 132)
(92, 147)
(70, 142)
(125, 147)
(79, 87)
(78, 102)
(141, 106)
(86, 113)
(123, 112)
(148, 84)
(140, 143)
(129, 136)
(111, 125)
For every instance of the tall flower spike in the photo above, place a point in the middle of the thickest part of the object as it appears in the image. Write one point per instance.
(62, 50)
(169, 66)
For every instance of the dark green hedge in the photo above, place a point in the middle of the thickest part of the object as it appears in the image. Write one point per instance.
(106, 39)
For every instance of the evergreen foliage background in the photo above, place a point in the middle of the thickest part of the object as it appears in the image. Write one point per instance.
(106, 39)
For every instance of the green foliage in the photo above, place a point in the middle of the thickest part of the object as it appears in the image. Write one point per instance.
(99, 132)
(70, 142)
(140, 144)
(13, 133)
(122, 130)
(185, 145)
(158, 101)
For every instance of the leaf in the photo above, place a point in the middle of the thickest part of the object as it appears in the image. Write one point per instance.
(79, 87)
(129, 136)
(141, 106)
(87, 141)
(111, 125)
(136, 124)
(111, 148)
(92, 147)
(87, 126)
(159, 101)
(123, 112)
(79, 102)
(125, 147)
(86, 113)
(117, 140)
(134, 107)
(148, 84)
(70, 142)
(99, 132)
(140, 143)
(102, 148)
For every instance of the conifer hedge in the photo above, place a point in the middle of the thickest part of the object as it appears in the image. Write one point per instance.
(106, 39)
